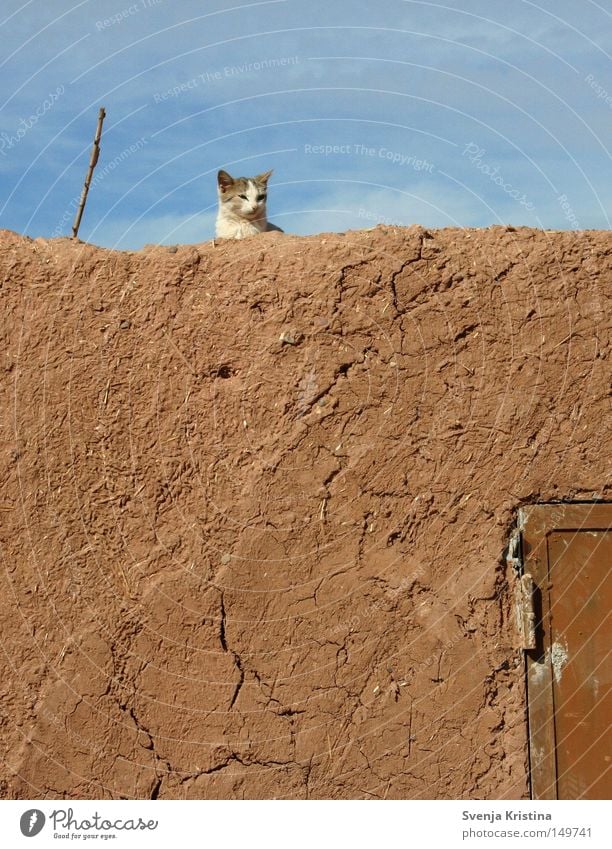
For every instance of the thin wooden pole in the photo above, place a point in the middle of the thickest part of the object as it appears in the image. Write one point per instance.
(95, 153)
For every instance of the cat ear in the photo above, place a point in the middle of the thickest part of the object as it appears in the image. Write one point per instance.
(224, 181)
(263, 178)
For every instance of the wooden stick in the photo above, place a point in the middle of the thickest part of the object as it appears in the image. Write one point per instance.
(95, 153)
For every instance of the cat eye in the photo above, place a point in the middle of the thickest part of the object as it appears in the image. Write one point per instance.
(244, 197)
(261, 197)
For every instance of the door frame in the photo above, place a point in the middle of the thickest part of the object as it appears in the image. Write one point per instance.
(536, 523)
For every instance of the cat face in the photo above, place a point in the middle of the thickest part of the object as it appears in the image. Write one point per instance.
(245, 197)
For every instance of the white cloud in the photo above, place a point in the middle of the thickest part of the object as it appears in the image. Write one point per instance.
(168, 229)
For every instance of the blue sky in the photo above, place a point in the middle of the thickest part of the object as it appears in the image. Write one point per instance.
(462, 113)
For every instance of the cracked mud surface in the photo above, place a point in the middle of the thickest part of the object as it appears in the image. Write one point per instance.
(255, 499)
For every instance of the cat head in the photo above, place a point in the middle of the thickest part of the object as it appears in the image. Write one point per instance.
(244, 196)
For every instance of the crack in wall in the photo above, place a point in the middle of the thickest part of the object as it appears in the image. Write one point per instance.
(235, 655)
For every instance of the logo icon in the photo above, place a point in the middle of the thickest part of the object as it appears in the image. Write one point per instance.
(32, 822)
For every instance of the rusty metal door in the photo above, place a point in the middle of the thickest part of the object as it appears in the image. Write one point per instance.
(567, 550)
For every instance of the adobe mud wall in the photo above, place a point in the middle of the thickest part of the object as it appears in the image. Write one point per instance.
(255, 499)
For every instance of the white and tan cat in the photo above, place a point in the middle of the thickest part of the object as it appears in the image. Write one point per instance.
(242, 206)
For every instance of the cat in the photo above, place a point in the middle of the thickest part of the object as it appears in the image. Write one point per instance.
(242, 206)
